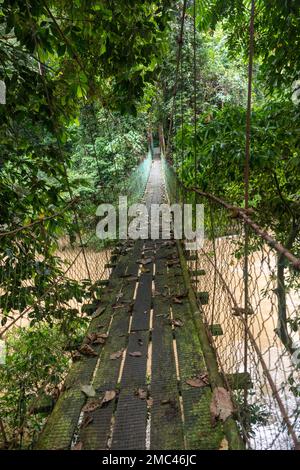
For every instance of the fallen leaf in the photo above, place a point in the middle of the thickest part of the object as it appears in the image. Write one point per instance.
(178, 323)
(76, 356)
(98, 312)
(78, 446)
(144, 261)
(116, 355)
(100, 338)
(135, 354)
(92, 406)
(198, 382)
(221, 406)
(86, 350)
(145, 270)
(88, 390)
(90, 338)
(109, 396)
(99, 341)
(149, 402)
(176, 300)
(86, 421)
(141, 393)
(224, 444)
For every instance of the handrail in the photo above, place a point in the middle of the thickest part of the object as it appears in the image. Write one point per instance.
(240, 212)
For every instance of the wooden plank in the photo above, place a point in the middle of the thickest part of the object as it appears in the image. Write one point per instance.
(143, 303)
(198, 430)
(166, 419)
(134, 372)
(200, 433)
(95, 436)
(131, 420)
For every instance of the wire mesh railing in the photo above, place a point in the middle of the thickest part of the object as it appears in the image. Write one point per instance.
(256, 340)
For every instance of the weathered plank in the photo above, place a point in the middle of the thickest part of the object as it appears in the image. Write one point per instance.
(142, 305)
(198, 430)
(131, 421)
(134, 372)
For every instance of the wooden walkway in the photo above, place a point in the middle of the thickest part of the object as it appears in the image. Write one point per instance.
(142, 372)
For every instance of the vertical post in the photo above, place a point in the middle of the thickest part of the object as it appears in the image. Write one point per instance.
(195, 125)
(246, 195)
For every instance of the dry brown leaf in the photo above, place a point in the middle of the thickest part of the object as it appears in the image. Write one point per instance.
(92, 406)
(86, 350)
(144, 261)
(90, 338)
(98, 312)
(100, 338)
(145, 270)
(224, 444)
(109, 395)
(76, 356)
(177, 322)
(221, 406)
(86, 421)
(149, 402)
(198, 382)
(78, 446)
(135, 354)
(116, 355)
(141, 393)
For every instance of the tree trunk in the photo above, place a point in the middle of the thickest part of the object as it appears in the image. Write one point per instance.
(282, 327)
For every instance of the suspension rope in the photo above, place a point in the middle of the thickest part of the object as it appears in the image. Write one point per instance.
(195, 121)
(249, 106)
(246, 198)
(179, 49)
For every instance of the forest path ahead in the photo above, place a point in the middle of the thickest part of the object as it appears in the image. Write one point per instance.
(148, 366)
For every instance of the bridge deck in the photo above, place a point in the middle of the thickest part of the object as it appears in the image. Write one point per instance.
(147, 360)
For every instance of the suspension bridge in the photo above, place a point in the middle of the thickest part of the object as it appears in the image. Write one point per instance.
(152, 362)
(184, 350)
(171, 359)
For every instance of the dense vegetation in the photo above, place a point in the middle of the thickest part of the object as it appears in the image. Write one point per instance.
(85, 82)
